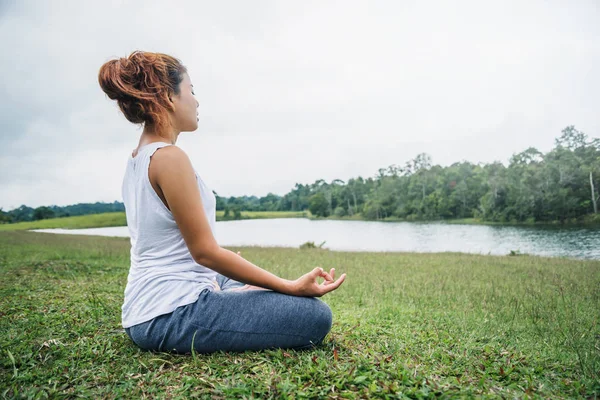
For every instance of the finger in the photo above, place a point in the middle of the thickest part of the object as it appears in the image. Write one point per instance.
(324, 274)
(332, 276)
(334, 285)
(239, 253)
(337, 283)
(318, 271)
(328, 277)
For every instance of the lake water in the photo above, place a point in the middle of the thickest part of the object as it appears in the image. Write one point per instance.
(396, 236)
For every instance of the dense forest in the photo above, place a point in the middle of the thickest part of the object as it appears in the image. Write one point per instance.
(561, 185)
(558, 186)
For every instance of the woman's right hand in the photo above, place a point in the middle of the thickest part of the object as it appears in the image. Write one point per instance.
(307, 285)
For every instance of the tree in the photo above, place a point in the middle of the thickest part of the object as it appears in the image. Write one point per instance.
(571, 138)
(531, 155)
(339, 211)
(318, 205)
(4, 217)
(595, 197)
(42, 213)
(356, 188)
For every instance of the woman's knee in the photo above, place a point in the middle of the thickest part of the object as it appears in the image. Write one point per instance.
(323, 318)
(320, 324)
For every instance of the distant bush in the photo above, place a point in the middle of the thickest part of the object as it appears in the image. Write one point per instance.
(311, 245)
(514, 253)
(339, 212)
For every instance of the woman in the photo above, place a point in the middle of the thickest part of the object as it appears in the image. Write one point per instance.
(184, 291)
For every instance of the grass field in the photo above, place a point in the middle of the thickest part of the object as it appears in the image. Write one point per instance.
(405, 326)
(118, 219)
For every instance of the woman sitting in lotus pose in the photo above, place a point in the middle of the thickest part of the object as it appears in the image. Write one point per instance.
(184, 291)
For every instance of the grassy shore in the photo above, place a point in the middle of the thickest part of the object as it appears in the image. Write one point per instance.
(405, 326)
(265, 214)
(118, 219)
(591, 220)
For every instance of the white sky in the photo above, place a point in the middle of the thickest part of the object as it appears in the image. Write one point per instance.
(292, 91)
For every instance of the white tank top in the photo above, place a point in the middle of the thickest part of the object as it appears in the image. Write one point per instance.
(163, 274)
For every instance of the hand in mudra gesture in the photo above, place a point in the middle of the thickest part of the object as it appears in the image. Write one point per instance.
(307, 285)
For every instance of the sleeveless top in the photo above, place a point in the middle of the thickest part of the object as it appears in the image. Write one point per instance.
(163, 274)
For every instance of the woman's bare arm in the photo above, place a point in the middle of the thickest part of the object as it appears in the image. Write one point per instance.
(172, 171)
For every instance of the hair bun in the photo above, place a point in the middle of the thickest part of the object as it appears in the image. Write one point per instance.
(142, 84)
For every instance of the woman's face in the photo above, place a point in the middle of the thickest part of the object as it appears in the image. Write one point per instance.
(185, 118)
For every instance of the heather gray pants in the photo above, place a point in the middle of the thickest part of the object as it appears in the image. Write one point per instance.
(236, 321)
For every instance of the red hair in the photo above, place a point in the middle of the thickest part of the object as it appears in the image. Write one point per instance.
(142, 84)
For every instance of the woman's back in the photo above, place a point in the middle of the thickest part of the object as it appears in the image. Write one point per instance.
(163, 273)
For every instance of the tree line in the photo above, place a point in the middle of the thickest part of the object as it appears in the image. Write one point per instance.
(559, 186)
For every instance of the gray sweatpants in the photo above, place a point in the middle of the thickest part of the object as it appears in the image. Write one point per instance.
(236, 321)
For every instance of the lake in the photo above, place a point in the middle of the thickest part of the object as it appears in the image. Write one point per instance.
(396, 236)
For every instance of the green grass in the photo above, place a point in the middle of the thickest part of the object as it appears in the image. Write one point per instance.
(118, 219)
(77, 222)
(405, 326)
(266, 214)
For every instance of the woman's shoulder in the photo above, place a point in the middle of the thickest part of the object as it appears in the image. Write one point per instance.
(170, 153)
(170, 162)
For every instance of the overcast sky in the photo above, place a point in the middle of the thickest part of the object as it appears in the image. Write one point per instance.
(292, 91)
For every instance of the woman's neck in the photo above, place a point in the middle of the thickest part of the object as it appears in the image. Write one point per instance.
(149, 136)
